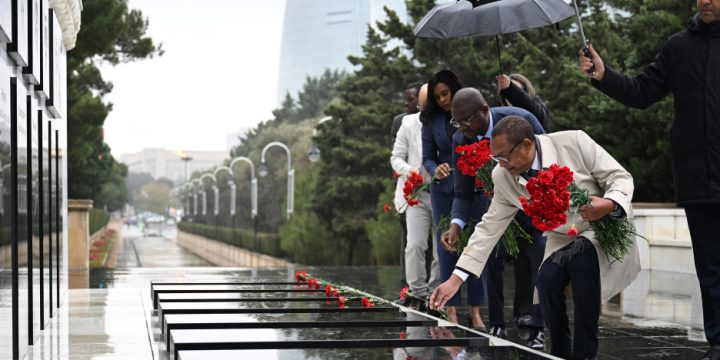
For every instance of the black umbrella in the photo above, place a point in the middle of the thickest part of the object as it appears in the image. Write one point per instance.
(490, 18)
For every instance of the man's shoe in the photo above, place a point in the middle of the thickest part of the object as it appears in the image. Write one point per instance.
(713, 353)
(537, 340)
(524, 321)
(402, 302)
(498, 331)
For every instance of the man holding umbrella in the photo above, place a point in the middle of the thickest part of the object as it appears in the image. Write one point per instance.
(688, 65)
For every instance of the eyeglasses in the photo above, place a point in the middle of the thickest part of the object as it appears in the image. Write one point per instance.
(504, 158)
(466, 122)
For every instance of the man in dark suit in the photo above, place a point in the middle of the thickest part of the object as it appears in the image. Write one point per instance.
(475, 120)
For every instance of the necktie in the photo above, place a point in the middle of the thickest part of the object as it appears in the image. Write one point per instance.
(531, 173)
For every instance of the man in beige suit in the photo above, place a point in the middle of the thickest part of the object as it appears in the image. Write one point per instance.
(577, 261)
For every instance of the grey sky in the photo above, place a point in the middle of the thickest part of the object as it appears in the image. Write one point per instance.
(218, 74)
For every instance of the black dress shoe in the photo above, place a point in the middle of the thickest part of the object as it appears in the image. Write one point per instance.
(713, 353)
(524, 321)
(403, 302)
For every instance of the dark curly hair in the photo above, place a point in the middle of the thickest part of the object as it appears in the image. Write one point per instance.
(446, 77)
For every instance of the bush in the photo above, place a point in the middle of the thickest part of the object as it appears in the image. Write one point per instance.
(268, 244)
(98, 220)
(384, 229)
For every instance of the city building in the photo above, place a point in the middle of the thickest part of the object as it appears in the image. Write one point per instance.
(175, 165)
(321, 34)
(34, 38)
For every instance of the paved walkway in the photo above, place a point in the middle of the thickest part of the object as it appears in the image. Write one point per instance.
(154, 250)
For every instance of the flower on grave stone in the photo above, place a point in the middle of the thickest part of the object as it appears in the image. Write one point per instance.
(402, 334)
(341, 301)
(335, 292)
(403, 291)
(311, 283)
(300, 276)
(328, 290)
(366, 303)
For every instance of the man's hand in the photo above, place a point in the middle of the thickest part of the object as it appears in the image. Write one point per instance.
(586, 64)
(444, 292)
(450, 237)
(597, 208)
(503, 82)
(442, 171)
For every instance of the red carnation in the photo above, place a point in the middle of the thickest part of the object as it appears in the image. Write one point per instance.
(572, 231)
(366, 303)
(412, 186)
(549, 197)
(328, 290)
(387, 207)
(403, 291)
(341, 301)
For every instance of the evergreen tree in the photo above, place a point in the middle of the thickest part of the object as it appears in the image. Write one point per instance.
(110, 33)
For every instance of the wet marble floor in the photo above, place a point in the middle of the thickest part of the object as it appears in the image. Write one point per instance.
(658, 317)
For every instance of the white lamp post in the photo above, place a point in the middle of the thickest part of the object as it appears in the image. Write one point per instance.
(216, 194)
(314, 151)
(195, 184)
(291, 173)
(231, 184)
(253, 183)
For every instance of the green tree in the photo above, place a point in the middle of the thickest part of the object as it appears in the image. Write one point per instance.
(114, 194)
(110, 33)
(356, 149)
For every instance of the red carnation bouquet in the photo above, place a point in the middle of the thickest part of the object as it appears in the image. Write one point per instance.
(412, 187)
(553, 193)
(475, 161)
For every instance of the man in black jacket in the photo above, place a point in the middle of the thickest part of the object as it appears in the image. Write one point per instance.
(688, 65)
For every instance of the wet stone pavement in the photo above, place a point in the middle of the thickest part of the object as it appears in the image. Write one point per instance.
(658, 317)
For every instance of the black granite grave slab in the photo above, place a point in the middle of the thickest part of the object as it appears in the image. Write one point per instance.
(243, 297)
(262, 307)
(228, 289)
(292, 320)
(379, 353)
(325, 338)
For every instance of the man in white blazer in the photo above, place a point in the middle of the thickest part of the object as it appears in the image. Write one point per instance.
(575, 260)
(406, 158)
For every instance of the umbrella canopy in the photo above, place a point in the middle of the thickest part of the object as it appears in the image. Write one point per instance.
(458, 19)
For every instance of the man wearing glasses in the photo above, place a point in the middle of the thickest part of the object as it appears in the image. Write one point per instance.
(576, 260)
(475, 120)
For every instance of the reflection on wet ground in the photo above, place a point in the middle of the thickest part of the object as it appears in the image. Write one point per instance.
(658, 317)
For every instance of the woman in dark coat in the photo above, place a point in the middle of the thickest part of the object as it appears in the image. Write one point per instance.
(437, 136)
(516, 90)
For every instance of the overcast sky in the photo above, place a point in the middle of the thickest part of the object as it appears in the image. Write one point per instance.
(218, 74)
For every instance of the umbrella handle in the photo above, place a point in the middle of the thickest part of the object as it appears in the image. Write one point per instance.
(497, 45)
(588, 54)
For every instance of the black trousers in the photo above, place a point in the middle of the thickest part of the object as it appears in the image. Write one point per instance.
(702, 222)
(583, 273)
(526, 270)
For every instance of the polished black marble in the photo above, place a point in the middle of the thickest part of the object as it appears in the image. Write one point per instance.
(382, 353)
(229, 289)
(290, 320)
(334, 338)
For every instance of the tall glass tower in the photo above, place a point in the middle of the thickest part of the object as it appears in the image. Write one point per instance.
(320, 34)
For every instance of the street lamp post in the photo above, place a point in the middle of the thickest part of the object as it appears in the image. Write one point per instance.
(216, 198)
(253, 183)
(253, 192)
(291, 173)
(186, 158)
(314, 151)
(231, 184)
(195, 184)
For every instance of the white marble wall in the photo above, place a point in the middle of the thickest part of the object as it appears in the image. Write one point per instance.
(667, 246)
